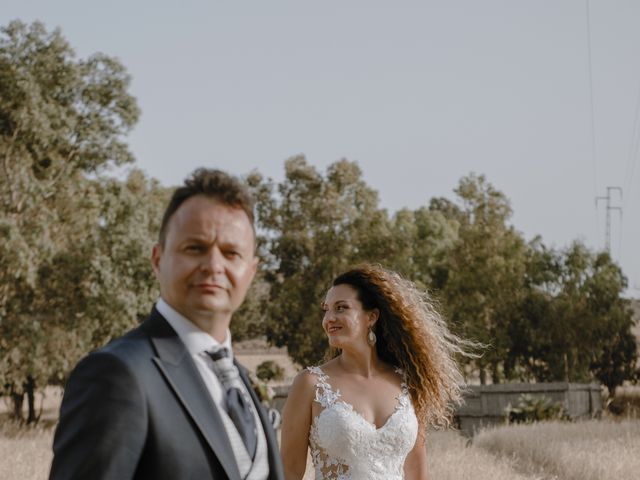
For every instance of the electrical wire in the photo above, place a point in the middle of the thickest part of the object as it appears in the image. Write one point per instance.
(594, 158)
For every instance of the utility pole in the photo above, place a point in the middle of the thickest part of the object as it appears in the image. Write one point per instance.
(607, 199)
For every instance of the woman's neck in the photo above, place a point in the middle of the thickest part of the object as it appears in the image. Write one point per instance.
(364, 363)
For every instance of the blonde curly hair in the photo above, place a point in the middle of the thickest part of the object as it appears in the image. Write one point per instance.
(411, 334)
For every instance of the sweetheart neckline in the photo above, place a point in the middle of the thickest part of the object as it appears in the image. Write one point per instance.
(372, 425)
(323, 377)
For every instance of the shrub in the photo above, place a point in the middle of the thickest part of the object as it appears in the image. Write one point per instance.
(532, 409)
(269, 370)
(626, 402)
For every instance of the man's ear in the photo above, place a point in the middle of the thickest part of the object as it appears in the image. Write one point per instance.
(156, 253)
(254, 266)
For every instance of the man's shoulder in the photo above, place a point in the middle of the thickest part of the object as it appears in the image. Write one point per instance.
(123, 358)
(132, 341)
(130, 347)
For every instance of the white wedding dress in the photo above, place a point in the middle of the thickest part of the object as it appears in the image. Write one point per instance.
(345, 446)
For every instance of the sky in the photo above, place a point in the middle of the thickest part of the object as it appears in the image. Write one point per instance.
(540, 96)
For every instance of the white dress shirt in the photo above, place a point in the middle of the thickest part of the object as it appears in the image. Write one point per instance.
(197, 342)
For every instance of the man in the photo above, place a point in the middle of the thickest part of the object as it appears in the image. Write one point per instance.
(166, 401)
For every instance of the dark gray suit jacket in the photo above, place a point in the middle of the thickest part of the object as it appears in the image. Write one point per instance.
(138, 409)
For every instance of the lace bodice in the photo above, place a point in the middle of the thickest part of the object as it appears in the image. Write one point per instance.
(345, 446)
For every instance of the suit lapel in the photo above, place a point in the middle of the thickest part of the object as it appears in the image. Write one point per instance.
(275, 464)
(181, 374)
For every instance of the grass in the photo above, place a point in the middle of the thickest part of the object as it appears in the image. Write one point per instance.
(600, 449)
(590, 450)
(25, 453)
(452, 457)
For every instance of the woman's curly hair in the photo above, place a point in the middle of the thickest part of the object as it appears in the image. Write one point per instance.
(411, 334)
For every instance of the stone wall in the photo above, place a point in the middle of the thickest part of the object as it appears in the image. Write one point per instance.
(485, 405)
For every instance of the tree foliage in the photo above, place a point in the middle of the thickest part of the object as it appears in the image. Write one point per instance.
(74, 243)
(60, 119)
(543, 314)
(313, 227)
(486, 268)
(575, 325)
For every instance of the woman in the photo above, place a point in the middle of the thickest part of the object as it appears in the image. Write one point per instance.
(364, 412)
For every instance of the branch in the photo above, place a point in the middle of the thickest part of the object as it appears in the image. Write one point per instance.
(63, 171)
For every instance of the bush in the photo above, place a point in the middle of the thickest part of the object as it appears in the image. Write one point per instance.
(269, 370)
(532, 409)
(626, 402)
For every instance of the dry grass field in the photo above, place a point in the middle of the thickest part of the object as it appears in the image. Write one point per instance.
(604, 449)
(591, 450)
(452, 457)
(27, 456)
(24, 455)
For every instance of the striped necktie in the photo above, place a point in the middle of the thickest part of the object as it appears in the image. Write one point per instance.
(237, 401)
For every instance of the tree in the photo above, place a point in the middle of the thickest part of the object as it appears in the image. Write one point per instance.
(574, 324)
(60, 118)
(602, 321)
(93, 289)
(313, 227)
(104, 284)
(250, 320)
(485, 272)
(435, 237)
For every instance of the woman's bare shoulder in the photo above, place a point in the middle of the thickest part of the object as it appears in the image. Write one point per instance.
(304, 382)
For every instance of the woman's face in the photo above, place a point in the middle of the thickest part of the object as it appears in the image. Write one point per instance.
(345, 322)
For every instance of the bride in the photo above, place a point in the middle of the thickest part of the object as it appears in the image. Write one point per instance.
(363, 414)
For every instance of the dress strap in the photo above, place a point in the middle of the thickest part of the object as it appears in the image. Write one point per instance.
(325, 395)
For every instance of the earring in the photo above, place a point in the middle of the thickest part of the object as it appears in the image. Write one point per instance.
(371, 337)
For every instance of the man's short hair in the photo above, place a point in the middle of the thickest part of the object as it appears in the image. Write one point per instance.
(214, 184)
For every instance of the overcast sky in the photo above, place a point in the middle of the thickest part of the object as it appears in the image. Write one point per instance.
(419, 93)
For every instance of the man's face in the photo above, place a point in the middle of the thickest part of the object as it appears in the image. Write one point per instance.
(207, 262)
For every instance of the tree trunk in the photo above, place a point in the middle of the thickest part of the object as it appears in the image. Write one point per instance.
(495, 374)
(30, 387)
(18, 400)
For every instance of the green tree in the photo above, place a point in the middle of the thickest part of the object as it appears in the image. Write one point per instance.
(250, 320)
(60, 118)
(313, 227)
(574, 325)
(104, 284)
(485, 272)
(94, 288)
(435, 237)
(599, 319)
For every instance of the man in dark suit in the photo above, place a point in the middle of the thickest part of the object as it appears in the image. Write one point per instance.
(167, 400)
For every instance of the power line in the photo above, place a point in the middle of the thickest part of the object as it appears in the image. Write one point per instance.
(594, 159)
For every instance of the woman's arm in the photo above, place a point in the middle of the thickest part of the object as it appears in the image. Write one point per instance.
(296, 422)
(415, 465)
